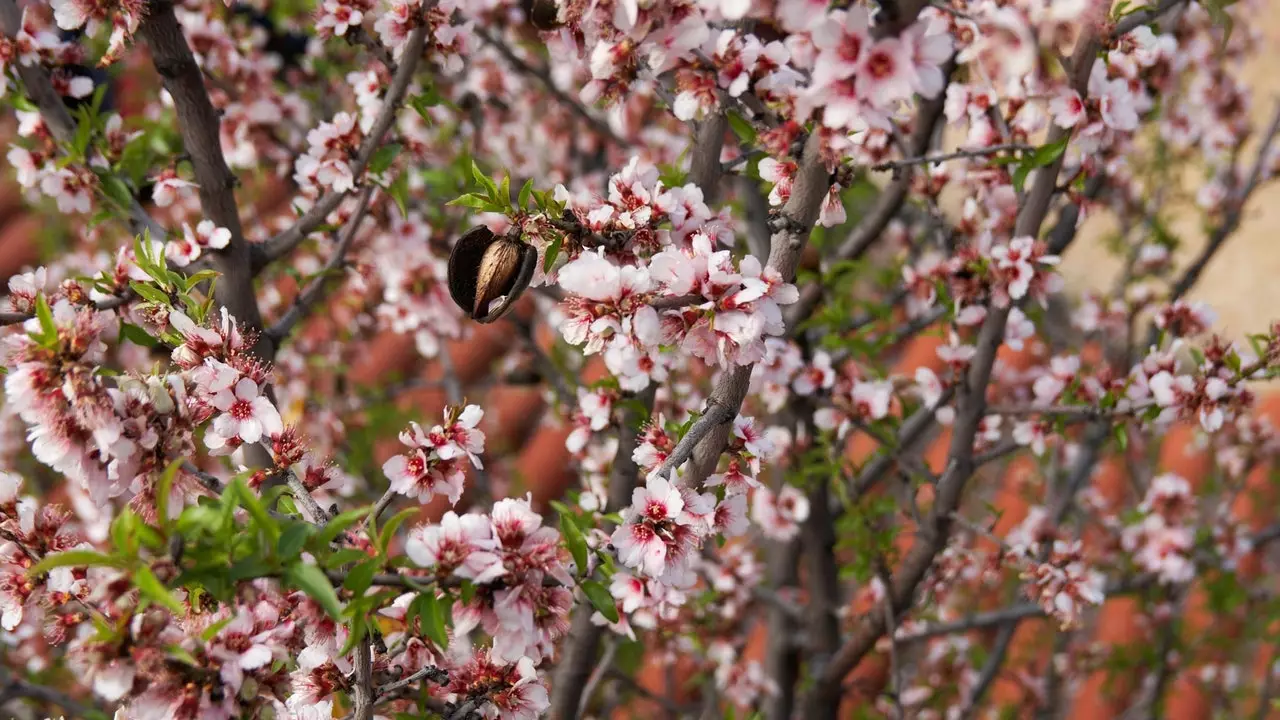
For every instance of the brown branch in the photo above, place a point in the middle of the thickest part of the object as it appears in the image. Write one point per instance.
(15, 688)
(111, 303)
(870, 228)
(1234, 214)
(971, 408)
(582, 645)
(1145, 16)
(543, 75)
(285, 242)
(314, 291)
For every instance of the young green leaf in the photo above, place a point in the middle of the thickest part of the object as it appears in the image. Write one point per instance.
(389, 530)
(164, 488)
(154, 590)
(432, 616)
(312, 581)
(292, 540)
(360, 577)
(526, 192)
(553, 252)
(72, 558)
(601, 599)
(575, 541)
(383, 158)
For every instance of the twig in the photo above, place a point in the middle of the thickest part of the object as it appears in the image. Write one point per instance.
(583, 642)
(1073, 411)
(285, 242)
(543, 75)
(15, 688)
(1229, 223)
(111, 303)
(954, 155)
(1147, 15)
(715, 415)
(677, 301)
(439, 676)
(311, 294)
(977, 621)
(886, 207)
(606, 661)
(995, 661)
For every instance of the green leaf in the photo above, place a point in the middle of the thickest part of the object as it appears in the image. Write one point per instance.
(359, 628)
(484, 180)
(45, 316)
(743, 129)
(251, 502)
(1122, 437)
(154, 590)
(601, 599)
(383, 158)
(360, 577)
(137, 336)
(472, 200)
(504, 191)
(150, 293)
(212, 631)
(576, 543)
(312, 581)
(117, 190)
(399, 191)
(73, 558)
(339, 524)
(1040, 157)
(389, 531)
(432, 615)
(292, 540)
(553, 252)
(526, 192)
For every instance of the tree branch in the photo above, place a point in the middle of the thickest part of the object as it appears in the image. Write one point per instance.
(971, 408)
(885, 209)
(574, 668)
(543, 75)
(285, 242)
(15, 688)
(199, 125)
(311, 294)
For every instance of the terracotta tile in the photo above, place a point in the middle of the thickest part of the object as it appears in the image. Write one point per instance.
(20, 244)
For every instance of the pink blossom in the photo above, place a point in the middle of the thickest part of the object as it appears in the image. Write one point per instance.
(246, 414)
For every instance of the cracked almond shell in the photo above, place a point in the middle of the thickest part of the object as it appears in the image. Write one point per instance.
(484, 268)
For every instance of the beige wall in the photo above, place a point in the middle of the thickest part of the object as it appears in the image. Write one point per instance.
(1242, 284)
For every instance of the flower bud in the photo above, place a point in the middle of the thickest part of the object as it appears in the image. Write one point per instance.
(488, 272)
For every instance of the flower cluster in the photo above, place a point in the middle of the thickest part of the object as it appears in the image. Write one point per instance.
(435, 461)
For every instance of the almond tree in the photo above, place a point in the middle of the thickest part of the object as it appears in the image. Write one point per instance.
(731, 219)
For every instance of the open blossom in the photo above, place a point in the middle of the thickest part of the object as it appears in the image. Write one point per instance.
(246, 414)
(461, 545)
(779, 514)
(169, 187)
(657, 536)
